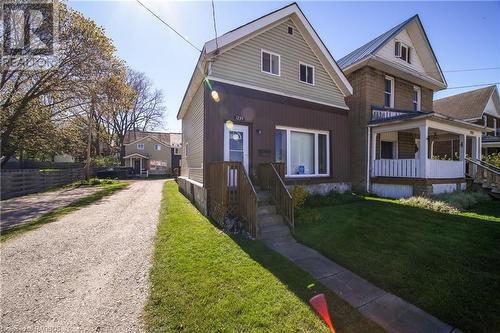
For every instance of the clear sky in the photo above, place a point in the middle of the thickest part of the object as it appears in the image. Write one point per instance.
(464, 35)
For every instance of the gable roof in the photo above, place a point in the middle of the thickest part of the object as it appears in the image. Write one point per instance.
(162, 137)
(467, 105)
(369, 50)
(372, 46)
(226, 41)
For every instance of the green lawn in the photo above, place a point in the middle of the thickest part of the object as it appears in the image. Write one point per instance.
(202, 280)
(107, 189)
(449, 265)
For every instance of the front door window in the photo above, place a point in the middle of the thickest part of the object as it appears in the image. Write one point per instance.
(236, 144)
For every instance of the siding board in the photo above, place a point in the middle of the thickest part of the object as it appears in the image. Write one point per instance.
(242, 64)
(192, 138)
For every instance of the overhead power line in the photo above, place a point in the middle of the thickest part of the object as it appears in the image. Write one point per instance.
(470, 69)
(475, 85)
(169, 26)
(215, 28)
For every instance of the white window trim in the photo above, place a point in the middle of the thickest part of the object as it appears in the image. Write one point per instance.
(390, 78)
(157, 145)
(293, 30)
(316, 155)
(140, 146)
(314, 74)
(401, 45)
(279, 62)
(419, 97)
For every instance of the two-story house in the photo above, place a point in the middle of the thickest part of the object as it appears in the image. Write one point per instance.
(154, 153)
(479, 106)
(268, 91)
(393, 128)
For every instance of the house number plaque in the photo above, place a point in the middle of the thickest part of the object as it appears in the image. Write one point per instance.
(238, 117)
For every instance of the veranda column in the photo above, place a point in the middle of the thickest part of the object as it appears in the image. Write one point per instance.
(373, 151)
(423, 151)
(463, 149)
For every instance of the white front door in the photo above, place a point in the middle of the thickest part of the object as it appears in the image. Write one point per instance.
(236, 144)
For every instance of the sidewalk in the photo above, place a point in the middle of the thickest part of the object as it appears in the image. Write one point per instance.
(20, 210)
(389, 311)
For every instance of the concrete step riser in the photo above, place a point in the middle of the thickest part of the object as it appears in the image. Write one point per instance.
(265, 210)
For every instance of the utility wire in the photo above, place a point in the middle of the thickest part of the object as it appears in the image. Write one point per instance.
(215, 29)
(471, 69)
(475, 85)
(169, 26)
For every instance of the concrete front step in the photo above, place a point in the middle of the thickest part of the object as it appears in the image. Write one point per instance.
(269, 220)
(266, 210)
(263, 198)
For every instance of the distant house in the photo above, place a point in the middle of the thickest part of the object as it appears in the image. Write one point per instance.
(152, 152)
(481, 107)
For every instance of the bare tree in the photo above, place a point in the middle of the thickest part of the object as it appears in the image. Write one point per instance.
(146, 110)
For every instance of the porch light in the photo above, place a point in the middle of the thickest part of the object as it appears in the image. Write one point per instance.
(229, 124)
(215, 96)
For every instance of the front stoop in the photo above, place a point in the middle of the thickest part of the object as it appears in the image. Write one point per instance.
(272, 228)
(389, 311)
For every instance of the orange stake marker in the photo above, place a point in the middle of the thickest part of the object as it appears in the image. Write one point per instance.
(318, 303)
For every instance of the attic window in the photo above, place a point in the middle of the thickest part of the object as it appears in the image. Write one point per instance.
(290, 30)
(402, 51)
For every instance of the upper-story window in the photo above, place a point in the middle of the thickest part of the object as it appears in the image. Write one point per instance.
(417, 96)
(402, 51)
(177, 151)
(389, 92)
(157, 146)
(306, 73)
(270, 63)
(140, 146)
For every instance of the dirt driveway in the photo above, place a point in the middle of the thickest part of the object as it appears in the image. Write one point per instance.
(86, 272)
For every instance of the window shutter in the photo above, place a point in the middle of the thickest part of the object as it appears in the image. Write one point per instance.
(409, 52)
(397, 49)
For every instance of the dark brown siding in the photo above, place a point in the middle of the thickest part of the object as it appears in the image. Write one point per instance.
(263, 112)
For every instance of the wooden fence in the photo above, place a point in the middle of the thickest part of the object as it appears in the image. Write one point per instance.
(17, 182)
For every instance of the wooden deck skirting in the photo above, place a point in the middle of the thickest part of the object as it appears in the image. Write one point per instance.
(416, 181)
(231, 194)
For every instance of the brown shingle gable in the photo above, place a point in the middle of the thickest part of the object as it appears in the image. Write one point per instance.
(467, 105)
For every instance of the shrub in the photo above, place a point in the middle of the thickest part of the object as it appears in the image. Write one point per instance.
(429, 203)
(448, 202)
(299, 195)
(493, 159)
(463, 200)
(105, 161)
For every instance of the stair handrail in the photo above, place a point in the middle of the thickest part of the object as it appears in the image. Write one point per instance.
(488, 166)
(272, 181)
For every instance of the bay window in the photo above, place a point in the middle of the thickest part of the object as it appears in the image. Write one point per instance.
(306, 153)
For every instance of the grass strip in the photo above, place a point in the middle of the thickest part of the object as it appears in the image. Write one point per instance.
(203, 280)
(107, 190)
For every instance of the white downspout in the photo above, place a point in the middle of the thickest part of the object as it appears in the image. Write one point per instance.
(368, 160)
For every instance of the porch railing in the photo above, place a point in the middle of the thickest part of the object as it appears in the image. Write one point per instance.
(231, 194)
(488, 177)
(406, 168)
(271, 179)
(445, 169)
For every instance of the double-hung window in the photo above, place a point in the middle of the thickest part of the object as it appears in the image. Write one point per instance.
(306, 153)
(140, 146)
(306, 73)
(157, 146)
(417, 96)
(402, 51)
(389, 92)
(270, 63)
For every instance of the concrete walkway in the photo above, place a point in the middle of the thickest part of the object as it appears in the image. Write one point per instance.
(391, 312)
(20, 210)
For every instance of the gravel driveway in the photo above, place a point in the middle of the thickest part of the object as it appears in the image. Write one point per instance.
(86, 272)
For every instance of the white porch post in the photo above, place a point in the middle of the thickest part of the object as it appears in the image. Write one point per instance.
(140, 165)
(463, 150)
(373, 148)
(424, 133)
